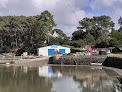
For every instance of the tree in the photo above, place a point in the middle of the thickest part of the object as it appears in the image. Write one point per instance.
(102, 42)
(120, 23)
(117, 36)
(90, 39)
(47, 22)
(97, 26)
(25, 33)
(79, 34)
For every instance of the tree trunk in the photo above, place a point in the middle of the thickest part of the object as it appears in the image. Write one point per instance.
(1, 41)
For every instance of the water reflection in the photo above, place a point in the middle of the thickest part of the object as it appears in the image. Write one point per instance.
(86, 79)
(46, 71)
(58, 79)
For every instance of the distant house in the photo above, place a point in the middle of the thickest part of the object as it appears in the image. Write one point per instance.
(55, 34)
(70, 38)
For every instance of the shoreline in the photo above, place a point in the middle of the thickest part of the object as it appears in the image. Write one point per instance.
(26, 62)
(43, 61)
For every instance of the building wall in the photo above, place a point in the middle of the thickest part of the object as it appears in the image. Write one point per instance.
(44, 50)
(55, 34)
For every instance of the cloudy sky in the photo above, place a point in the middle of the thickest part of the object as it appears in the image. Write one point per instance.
(66, 13)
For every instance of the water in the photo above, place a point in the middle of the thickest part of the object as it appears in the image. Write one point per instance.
(58, 79)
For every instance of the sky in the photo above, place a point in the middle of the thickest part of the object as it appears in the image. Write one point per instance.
(67, 13)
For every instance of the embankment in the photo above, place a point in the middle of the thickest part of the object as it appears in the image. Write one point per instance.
(113, 62)
(76, 60)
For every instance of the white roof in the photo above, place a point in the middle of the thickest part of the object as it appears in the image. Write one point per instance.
(54, 46)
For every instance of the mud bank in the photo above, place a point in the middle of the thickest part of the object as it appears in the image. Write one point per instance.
(115, 62)
(76, 60)
(26, 62)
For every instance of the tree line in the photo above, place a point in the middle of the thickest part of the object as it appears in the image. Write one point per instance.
(21, 33)
(99, 32)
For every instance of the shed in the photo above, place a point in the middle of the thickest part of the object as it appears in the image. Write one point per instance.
(48, 50)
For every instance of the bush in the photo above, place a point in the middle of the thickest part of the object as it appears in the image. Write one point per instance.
(4, 49)
(20, 51)
(78, 43)
(74, 50)
(115, 50)
(102, 42)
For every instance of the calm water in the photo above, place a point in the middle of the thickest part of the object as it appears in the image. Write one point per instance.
(58, 79)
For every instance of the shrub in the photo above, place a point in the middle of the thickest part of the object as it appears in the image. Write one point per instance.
(115, 50)
(78, 43)
(74, 50)
(4, 49)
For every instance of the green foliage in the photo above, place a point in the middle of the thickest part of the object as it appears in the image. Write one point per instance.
(120, 23)
(20, 51)
(97, 26)
(73, 43)
(53, 41)
(68, 46)
(97, 33)
(26, 33)
(90, 39)
(77, 43)
(115, 34)
(113, 42)
(29, 33)
(57, 41)
(4, 49)
(77, 35)
(116, 50)
(74, 50)
(117, 38)
(102, 42)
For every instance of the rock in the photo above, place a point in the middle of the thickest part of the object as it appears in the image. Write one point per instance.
(113, 62)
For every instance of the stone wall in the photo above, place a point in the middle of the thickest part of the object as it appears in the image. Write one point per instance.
(76, 60)
(113, 62)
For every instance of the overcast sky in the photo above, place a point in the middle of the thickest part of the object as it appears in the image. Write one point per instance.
(66, 13)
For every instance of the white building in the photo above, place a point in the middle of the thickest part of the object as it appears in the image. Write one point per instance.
(56, 35)
(48, 51)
